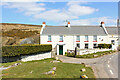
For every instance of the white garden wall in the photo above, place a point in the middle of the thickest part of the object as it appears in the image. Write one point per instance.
(36, 57)
(88, 51)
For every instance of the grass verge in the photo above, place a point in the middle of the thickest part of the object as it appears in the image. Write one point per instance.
(63, 70)
(95, 55)
(91, 55)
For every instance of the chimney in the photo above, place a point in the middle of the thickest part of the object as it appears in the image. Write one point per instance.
(43, 26)
(68, 25)
(103, 26)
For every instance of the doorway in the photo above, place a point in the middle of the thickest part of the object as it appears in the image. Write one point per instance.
(60, 49)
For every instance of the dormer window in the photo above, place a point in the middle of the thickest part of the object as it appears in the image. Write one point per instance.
(61, 38)
(77, 38)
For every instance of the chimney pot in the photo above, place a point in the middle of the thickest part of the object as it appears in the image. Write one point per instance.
(102, 23)
(103, 26)
(68, 22)
(44, 23)
(68, 25)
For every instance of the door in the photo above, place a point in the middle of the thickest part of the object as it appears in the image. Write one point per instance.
(60, 49)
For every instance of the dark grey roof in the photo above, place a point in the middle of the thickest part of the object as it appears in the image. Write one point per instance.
(112, 30)
(74, 30)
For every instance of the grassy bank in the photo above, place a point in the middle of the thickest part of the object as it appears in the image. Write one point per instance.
(63, 70)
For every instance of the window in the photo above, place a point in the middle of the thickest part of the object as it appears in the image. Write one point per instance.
(86, 46)
(95, 38)
(86, 38)
(77, 38)
(61, 38)
(94, 45)
(78, 45)
(113, 42)
(49, 38)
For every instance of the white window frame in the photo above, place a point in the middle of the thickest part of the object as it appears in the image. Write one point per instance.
(86, 38)
(61, 37)
(49, 38)
(94, 37)
(77, 38)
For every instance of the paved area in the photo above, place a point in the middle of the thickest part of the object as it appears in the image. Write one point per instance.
(103, 67)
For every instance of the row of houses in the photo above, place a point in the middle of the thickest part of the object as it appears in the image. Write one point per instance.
(68, 37)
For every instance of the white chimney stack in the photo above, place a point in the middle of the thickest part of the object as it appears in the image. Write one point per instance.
(43, 26)
(103, 26)
(68, 25)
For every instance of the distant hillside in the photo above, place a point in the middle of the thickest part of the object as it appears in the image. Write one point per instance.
(10, 26)
(12, 33)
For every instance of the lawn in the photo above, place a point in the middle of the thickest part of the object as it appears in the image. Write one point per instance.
(63, 70)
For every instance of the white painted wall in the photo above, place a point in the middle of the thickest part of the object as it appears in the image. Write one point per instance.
(70, 41)
(36, 57)
(89, 51)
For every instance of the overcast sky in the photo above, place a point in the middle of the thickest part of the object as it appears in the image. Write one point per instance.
(56, 13)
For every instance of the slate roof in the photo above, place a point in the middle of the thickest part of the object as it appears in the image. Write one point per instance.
(73, 30)
(112, 30)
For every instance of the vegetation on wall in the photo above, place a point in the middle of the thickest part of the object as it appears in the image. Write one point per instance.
(104, 46)
(95, 55)
(9, 51)
(90, 55)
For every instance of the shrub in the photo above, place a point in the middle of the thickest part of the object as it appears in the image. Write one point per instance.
(9, 51)
(104, 46)
(70, 54)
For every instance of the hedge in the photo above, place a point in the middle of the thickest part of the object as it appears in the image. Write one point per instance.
(9, 51)
(104, 46)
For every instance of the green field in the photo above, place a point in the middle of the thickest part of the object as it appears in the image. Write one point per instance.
(63, 70)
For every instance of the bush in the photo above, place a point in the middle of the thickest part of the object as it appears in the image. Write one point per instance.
(70, 54)
(104, 46)
(9, 51)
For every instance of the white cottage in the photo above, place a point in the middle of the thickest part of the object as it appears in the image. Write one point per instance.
(67, 37)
